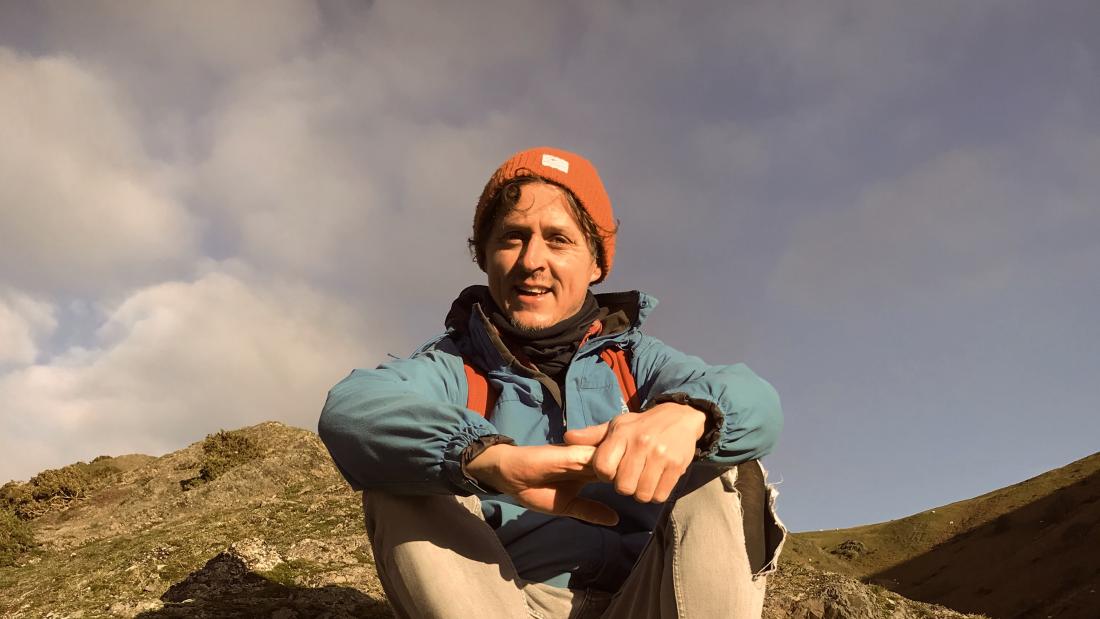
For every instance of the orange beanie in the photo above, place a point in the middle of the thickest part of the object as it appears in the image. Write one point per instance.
(569, 170)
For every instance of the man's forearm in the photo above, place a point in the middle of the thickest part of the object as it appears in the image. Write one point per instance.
(546, 478)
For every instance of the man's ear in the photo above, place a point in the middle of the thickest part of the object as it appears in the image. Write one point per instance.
(596, 272)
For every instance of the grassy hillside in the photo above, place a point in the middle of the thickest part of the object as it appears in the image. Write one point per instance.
(1027, 550)
(281, 530)
(257, 523)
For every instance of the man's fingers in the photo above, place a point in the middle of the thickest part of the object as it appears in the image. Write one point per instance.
(575, 459)
(646, 489)
(591, 511)
(629, 473)
(667, 484)
(592, 435)
(606, 461)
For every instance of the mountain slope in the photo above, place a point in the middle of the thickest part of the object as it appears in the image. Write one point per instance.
(1027, 550)
(285, 522)
(278, 535)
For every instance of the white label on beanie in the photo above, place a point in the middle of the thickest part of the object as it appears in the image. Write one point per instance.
(557, 163)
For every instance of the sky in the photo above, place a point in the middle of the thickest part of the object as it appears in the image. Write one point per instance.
(210, 212)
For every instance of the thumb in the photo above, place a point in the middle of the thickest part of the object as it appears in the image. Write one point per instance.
(592, 435)
(591, 511)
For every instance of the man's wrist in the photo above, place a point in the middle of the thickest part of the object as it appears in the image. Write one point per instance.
(480, 461)
(485, 468)
(707, 443)
(699, 418)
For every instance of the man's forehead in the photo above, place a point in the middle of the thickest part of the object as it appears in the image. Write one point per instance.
(537, 192)
(548, 205)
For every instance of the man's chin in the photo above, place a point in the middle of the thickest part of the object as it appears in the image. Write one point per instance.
(530, 324)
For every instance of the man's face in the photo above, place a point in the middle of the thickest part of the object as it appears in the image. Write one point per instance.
(538, 261)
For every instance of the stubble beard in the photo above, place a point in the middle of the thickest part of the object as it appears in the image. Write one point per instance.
(526, 329)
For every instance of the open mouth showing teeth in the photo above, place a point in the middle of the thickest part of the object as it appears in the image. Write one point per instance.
(535, 292)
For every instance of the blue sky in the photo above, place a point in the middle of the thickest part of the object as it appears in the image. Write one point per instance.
(211, 212)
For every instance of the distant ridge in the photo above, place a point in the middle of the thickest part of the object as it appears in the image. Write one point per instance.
(1031, 549)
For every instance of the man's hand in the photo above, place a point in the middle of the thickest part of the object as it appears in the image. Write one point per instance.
(644, 454)
(545, 478)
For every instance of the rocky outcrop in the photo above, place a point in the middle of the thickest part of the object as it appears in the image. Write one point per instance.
(800, 592)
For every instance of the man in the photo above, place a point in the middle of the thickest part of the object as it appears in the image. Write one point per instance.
(605, 474)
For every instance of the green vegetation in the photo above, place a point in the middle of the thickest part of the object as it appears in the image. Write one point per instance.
(51, 490)
(16, 499)
(221, 452)
(225, 450)
(15, 537)
(55, 489)
(288, 572)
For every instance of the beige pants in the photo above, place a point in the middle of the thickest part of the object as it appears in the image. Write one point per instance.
(708, 558)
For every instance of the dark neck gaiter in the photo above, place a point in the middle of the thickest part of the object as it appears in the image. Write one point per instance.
(550, 349)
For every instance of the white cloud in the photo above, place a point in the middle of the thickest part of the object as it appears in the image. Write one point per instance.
(178, 360)
(23, 322)
(82, 208)
(309, 182)
(277, 174)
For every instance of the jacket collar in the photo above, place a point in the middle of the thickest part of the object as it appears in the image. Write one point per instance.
(468, 322)
(635, 304)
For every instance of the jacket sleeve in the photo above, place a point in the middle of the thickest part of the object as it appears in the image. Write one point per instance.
(744, 405)
(403, 426)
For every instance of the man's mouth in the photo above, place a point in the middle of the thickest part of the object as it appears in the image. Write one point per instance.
(532, 292)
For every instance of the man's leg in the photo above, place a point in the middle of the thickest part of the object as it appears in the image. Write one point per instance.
(710, 552)
(438, 559)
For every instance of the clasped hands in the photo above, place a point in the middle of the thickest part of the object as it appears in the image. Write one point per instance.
(642, 454)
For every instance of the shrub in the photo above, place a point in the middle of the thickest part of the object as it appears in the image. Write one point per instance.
(61, 485)
(226, 450)
(55, 488)
(15, 537)
(15, 497)
(849, 549)
(221, 452)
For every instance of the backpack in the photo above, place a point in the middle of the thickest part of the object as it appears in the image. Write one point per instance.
(481, 397)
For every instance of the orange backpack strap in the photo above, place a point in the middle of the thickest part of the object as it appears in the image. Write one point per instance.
(480, 396)
(616, 359)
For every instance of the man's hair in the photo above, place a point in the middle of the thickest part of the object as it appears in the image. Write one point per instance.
(506, 199)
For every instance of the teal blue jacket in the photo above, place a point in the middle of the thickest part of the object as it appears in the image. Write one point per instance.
(403, 427)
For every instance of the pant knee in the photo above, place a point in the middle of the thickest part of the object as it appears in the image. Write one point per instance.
(738, 497)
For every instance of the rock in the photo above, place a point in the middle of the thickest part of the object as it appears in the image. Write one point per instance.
(224, 571)
(800, 592)
(256, 554)
(849, 549)
(308, 549)
(149, 606)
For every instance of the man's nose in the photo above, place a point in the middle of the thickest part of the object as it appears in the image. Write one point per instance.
(534, 254)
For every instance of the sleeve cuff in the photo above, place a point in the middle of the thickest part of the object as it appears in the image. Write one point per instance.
(473, 450)
(707, 445)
